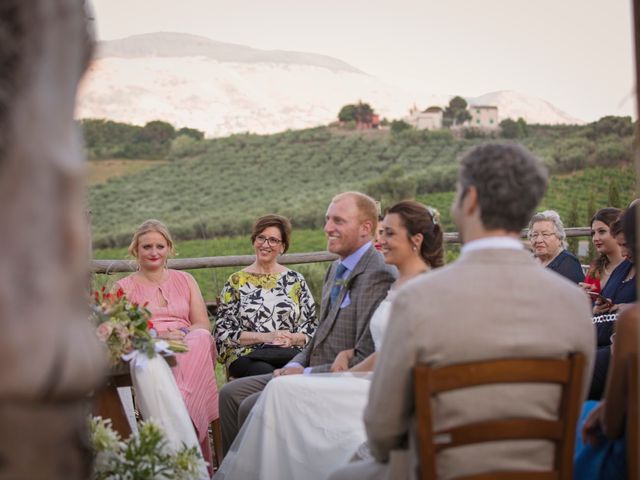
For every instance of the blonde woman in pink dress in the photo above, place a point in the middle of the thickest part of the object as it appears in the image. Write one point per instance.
(178, 312)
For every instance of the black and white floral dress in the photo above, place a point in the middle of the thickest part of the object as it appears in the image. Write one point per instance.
(252, 302)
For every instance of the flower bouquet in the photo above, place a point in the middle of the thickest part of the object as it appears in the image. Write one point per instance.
(144, 455)
(126, 329)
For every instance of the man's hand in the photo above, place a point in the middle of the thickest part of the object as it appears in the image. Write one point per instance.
(341, 362)
(288, 371)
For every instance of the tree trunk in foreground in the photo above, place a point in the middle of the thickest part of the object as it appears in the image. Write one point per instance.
(49, 357)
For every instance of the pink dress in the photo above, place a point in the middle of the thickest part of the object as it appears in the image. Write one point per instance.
(194, 372)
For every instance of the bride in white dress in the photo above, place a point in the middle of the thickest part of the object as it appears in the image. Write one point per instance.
(307, 426)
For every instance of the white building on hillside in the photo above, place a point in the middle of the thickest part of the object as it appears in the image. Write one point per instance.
(429, 119)
(483, 116)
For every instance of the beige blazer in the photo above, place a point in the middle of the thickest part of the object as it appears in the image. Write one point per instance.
(493, 303)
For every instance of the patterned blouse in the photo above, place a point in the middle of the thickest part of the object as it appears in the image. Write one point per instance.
(257, 302)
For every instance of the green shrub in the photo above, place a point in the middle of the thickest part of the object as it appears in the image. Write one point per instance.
(398, 126)
(610, 125)
(611, 151)
(392, 187)
(185, 146)
(572, 154)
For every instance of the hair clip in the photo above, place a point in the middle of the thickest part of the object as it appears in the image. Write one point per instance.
(435, 214)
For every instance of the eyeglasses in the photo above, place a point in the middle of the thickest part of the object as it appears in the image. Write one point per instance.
(271, 241)
(544, 235)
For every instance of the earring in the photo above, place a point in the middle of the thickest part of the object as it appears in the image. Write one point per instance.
(414, 248)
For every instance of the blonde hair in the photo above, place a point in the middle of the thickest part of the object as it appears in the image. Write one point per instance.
(367, 207)
(148, 226)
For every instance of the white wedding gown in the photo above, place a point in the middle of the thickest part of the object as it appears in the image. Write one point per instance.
(304, 426)
(160, 400)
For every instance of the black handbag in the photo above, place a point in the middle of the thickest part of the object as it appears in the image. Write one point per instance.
(273, 355)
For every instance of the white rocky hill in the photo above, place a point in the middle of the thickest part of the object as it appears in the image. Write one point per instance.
(223, 88)
(515, 105)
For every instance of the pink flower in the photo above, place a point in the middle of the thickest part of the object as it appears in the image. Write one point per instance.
(104, 331)
(122, 332)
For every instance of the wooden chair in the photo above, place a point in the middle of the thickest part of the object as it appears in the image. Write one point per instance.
(216, 461)
(561, 432)
(632, 419)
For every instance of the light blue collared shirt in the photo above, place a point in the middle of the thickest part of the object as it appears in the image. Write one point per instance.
(352, 260)
(350, 263)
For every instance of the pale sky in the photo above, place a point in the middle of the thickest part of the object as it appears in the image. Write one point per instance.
(576, 54)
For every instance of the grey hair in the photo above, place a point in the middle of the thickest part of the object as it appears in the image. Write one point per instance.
(553, 217)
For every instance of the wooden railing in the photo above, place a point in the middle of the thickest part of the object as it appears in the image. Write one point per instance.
(113, 266)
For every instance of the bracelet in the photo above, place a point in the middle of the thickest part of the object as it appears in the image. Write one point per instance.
(604, 318)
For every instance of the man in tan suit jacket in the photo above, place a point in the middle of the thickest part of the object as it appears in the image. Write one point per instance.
(494, 302)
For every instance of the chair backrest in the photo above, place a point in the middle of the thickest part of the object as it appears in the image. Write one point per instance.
(632, 419)
(565, 372)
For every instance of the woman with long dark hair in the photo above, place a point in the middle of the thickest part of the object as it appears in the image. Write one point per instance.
(618, 289)
(609, 256)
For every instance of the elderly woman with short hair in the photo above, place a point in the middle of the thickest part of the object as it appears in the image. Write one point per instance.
(548, 240)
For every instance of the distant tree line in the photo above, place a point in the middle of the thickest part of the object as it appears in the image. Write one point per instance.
(155, 140)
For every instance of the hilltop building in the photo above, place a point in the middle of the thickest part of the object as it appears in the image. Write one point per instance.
(374, 123)
(483, 116)
(429, 119)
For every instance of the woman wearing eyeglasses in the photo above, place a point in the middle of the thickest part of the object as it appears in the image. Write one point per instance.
(548, 240)
(267, 313)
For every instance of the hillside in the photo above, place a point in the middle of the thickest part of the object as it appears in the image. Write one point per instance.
(218, 187)
(222, 88)
(562, 189)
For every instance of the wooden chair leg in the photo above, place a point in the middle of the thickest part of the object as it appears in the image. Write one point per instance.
(108, 405)
(217, 443)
